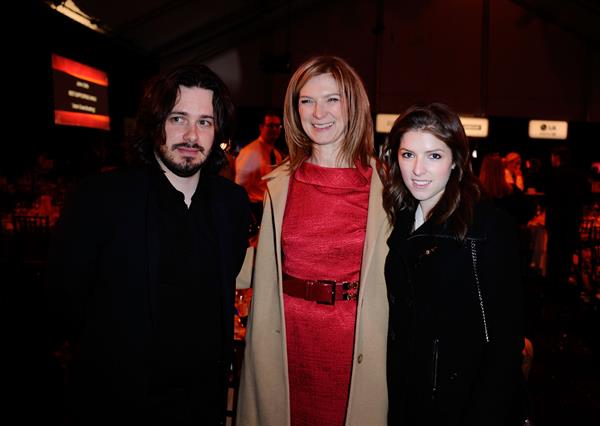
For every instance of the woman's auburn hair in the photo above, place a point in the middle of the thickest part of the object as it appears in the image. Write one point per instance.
(491, 176)
(456, 206)
(358, 144)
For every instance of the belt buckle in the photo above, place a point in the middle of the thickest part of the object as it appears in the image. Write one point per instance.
(349, 285)
(350, 290)
(333, 286)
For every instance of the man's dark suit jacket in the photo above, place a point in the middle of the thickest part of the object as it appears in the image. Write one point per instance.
(104, 272)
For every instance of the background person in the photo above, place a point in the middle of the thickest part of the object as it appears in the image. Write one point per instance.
(567, 191)
(506, 196)
(512, 170)
(452, 273)
(144, 264)
(257, 159)
(313, 357)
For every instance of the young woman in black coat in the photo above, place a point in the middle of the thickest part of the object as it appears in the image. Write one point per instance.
(455, 338)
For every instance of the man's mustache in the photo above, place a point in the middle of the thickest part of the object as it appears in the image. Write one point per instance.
(188, 146)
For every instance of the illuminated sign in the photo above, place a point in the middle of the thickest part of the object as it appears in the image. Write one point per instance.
(474, 127)
(80, 94)
(384, 122)
(546, 129)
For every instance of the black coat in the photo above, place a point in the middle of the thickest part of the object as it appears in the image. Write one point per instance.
(454, 357)
(104, 277)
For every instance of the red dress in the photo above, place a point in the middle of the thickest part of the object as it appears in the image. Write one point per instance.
(322, 238)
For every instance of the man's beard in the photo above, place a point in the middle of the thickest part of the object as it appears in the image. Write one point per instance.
(187, 167)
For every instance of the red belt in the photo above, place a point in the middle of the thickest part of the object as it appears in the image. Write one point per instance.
(320, 291)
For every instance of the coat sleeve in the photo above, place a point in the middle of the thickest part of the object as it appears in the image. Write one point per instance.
(72, 260)
(241, 234)
(500, 381)
(244, 278)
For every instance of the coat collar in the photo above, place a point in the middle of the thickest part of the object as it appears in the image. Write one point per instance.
(405, 220)
(376, 219)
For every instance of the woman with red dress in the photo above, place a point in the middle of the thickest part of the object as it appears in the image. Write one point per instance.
(317, 330)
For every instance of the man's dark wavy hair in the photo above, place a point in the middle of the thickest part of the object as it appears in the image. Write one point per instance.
(158, 101)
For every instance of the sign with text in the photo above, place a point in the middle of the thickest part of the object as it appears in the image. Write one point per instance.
(474, 127)
(384, 122)
(80, 94)
(547, 129)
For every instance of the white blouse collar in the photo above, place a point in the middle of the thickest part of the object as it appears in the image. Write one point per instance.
(419, 219)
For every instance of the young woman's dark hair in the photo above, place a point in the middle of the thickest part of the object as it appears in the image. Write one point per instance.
(455, 207)
(157, 103)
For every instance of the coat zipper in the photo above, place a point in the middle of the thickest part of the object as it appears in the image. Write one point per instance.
(479, 295)
(434, 370)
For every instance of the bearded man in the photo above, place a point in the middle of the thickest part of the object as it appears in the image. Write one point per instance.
(143, 265)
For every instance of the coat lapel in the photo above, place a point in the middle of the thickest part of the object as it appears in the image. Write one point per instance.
(278, 182)
(376, 219)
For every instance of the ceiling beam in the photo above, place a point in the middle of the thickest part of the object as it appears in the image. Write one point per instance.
(579, 17)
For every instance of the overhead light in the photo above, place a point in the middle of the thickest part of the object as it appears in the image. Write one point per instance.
(70, 10)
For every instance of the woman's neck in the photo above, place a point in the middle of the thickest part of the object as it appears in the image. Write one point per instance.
(327, 156)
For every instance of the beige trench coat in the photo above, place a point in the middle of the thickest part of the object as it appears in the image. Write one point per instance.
(264, 392)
